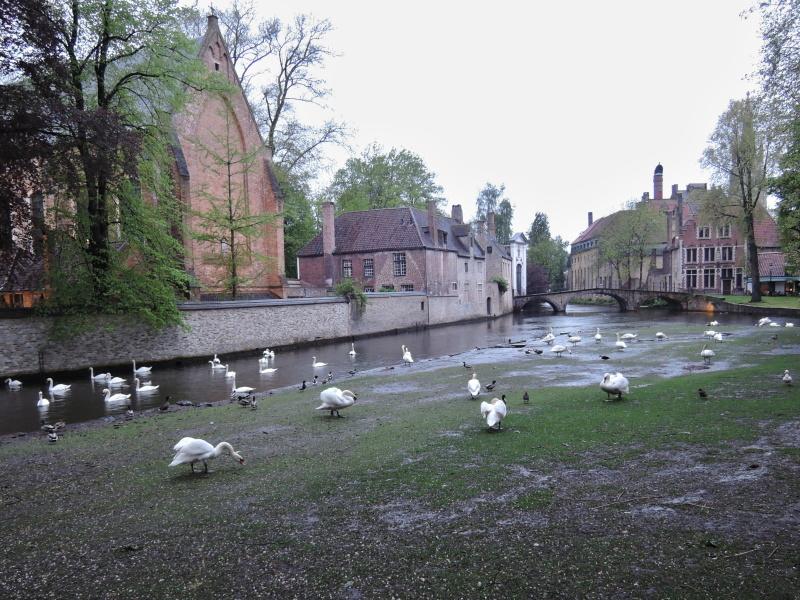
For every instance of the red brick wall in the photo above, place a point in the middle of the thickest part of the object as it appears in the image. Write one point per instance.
(312, 269)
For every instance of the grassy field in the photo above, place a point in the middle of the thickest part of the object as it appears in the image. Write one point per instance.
(767, 301)
(662, 494)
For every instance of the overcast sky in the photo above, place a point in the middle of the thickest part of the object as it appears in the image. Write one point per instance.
(570, 104)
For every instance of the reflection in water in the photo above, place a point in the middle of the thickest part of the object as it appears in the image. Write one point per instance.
(198, 382)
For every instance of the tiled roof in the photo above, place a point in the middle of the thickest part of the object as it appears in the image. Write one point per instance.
(594, 230)
(20, 270)
(766, 232)
(771, 264)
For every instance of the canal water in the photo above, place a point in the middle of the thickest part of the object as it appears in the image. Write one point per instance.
(440, 346)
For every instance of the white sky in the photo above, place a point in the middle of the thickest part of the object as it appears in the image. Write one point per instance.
(570, 104)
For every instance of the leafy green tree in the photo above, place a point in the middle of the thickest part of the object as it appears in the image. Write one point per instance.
(384, 180)
(502, 221)
(741, 155)
(547, 256)
(540, 229)
(627, 242)
(780, 58)
(787, 187)
(299, 221)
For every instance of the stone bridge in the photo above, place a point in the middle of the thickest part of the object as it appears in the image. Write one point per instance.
(627, 299)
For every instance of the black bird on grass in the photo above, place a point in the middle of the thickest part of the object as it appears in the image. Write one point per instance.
(491, 386)
(352, 371)
(165, 406)
(466, 366)
(303, 385)
(537, 351)
(604, 357)
(702, 393)
(525, 398)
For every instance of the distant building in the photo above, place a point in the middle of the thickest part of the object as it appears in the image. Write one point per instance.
(517, 248)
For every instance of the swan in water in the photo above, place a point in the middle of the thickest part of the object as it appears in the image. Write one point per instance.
(787, 379)
(559, 349)
(141, 370)
(660, 336)
(629, 337)
(215, 366)
(407, 358)
(707, 353)
(352, 349)
(714, 324)
(717, 337)
(334, 400)
(13, 384)
(709, 333)
(43, 402)
(548, 339)
(108, 397)
(99, 376)
(117, 381)
(316, 364)
(494, 412)
(474, 387)
(191, 450)
(269, 353)
(620, 345)
(243, 390)
(763, 321)
(267, 370)
(143, 389)
(230, 373)
(614, 384)
(216, 359)
(598, 337)
(61, 388)
(574, 339)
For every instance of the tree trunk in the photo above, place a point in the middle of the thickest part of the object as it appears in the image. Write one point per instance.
(752, 257)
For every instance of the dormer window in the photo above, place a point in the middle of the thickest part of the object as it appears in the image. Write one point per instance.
(442, 238)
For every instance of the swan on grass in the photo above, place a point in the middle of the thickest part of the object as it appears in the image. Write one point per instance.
(143, 389)
(407, 358)
(614, 384)
(494, 412)
(60, 388)
(787, 379)
(574, 339)
(13, 384)
(141, 370)
(629, 337)
(99, 376)
(598, 337)
(334, 400)
(707, 354)
(619, 344)
(548, 339)
(108, 397)
(244, 390)
(191, 450)
(316, 364)
(474, 387)
(352, 349)
(43, 402)
(717, 337)
(774, 324)
(709, 333)
(559, 349)
(661, 336)
(788, 324)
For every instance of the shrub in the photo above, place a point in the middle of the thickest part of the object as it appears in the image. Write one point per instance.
(502, 284)
(352, 290)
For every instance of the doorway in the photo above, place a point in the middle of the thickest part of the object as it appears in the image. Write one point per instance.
(489, 306)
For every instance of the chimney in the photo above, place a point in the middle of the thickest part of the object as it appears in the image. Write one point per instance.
(490, 225)
(328, 240)
(591, 219)
(457, 214)
(645, 196)
(431, 206)
(674, 191)
(658, 183)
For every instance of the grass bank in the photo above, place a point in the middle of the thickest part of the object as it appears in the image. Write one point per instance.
(767, 301)
(661, 494)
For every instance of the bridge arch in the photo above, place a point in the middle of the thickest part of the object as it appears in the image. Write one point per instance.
(536, 301)
(622, 302)
(672, 301)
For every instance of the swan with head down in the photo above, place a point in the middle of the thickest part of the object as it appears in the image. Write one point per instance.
(191, 450)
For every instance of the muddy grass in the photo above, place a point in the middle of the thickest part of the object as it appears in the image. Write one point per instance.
(661, 495)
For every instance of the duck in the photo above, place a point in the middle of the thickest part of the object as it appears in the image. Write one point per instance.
(141, 370)
(717, 337)
(494, 412)
(13, 384)
(99, 376)
(787, 379)
(548, 339)
(614, 384)
(574, 339)
(629, 337)
(490, 386)
(316, 364)
(303, 385)
(465, 365)
(702, 393)
(661, 336)
(229, 373)
(559, 349)
(315, 381)
(215, 366)
(604, 357)
(407, 358)
(328, 378)
(707, 354)
(165, 405)
(598, 337)
(191, 450)
(52, 437)
(620, 345)
(143, 389)
(61, 388)
(763, 321)
(474, 387)
(108, 397)
(268, 370)
(526, 398)
(352, 349)
(43, 402)
(538, 351)
(334, 400)
(713, 323)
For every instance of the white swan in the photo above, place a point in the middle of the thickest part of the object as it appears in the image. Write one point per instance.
(215, 366)
(774, 324)
(236, 391)
(474, 386)
(229, 373)
(548, 339)
(98, 377)
(267, 370)
(141, 370)
(559, 349)
(787, 379)
(108, 397)
(788, 324)
(13, 384)
(620, 345)
(191, 450)
(316, 364)
(334, 400)
(494, 412)
(42, 401)
(660, 336)
(143, 389)
(216, 359)
(714, 324)
(598, 337)
(709, 333)
(614, 384)
(61, 388)
(707, 354)
(352, 349)
(117, 381)
(763, 321)
(407, 358)
(628, 337)
(574, 339)
(717, 337)
(269, 353)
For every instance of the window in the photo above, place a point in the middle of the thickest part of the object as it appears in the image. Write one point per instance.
(708, 254)
(726, 274)
(455, 285)
(708, 278)
(691, 255)
(399, 259)
(407, 287)
(691, 278)
(738, 278)
(422, 305)
(724, 231)
(466, 267)
(369, 267)
(442, 238)
(216, 66)
(369, 289)
(347, 268)
(489, 249)
(387, 287)
(727, 253)
(704, 232)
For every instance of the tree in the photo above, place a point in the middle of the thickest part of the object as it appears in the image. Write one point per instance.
(780, 57)
(540, 229)
(628, 239)
(502, 221)
(384, 180)
(547, 257)
(787, 187)
(741, 155)
(105, 76)
(299, 221)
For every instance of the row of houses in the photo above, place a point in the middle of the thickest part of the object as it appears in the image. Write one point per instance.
(691, 254)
